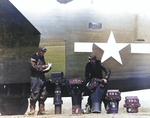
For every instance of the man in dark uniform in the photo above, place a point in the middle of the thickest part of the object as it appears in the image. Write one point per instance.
(38, 82)
(93, 70)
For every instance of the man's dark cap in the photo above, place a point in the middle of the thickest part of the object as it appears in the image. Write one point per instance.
(92, 57)
(42, 49)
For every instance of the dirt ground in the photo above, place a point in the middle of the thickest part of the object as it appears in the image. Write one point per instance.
(67, 111)
(136, 115)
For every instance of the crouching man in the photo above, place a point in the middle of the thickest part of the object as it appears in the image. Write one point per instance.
(38, 82)
(96, 83)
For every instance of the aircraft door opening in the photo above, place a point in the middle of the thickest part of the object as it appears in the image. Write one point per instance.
(56, 55)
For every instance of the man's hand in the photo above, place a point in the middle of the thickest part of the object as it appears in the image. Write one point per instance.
(44, 66)
(104, 80)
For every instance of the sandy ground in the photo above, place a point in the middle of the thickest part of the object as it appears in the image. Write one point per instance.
(125, 115)
(143, 96)
(67, 113)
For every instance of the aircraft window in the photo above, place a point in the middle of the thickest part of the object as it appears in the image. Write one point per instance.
(93, 25)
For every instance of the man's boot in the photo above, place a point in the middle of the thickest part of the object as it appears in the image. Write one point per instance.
(41, 109)
(87, 109)
(32, 110)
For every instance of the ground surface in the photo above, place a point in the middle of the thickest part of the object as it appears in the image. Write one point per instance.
(143, 111)
(119, 115)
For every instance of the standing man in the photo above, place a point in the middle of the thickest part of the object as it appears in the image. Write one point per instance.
(93, 73)
(38, 81)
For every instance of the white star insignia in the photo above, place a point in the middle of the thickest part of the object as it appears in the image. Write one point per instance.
(111, 48)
